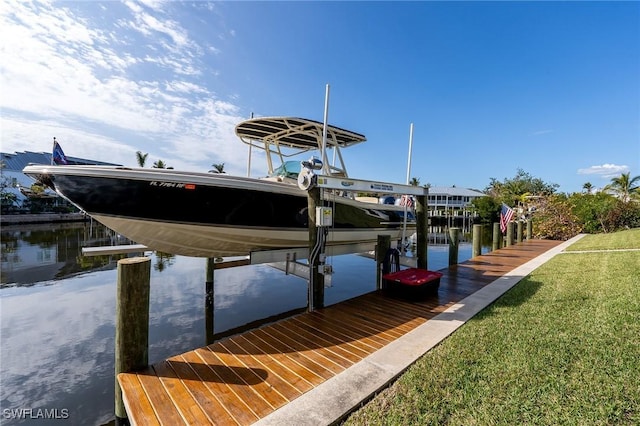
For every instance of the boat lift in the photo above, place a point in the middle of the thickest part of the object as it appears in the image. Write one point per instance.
(315, 270)
(288, 259)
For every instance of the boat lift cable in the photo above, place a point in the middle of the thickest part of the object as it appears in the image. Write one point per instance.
(323, 150)
(316, 251)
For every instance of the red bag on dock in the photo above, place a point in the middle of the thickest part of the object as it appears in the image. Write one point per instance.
(412, 281)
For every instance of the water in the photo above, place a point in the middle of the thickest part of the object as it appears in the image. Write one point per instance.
(57, 315)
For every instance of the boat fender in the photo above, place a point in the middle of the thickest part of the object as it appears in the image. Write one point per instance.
(306, 179)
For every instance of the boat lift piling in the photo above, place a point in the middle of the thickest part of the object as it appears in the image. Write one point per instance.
(208, 301)
(315, 299)
(454, 243)
(132, 323)
(382, 248)
(422, 228)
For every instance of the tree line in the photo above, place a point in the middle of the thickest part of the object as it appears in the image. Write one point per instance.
(560, 215)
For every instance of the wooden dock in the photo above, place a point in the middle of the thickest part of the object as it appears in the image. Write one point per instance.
(243, 378)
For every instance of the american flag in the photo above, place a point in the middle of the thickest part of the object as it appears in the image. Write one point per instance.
(58, 153)
(405, 200)
(506, 214)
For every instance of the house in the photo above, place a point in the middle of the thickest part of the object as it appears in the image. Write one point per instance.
(448, 198)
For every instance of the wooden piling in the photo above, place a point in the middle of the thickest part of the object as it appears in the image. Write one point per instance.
(315, 298)
(509, 234)
(132, 322)
(382, 248)
(497, 237)
(477, 240)
(519, 233)
(454, 242)
(208, 301)
(529, 229)
(421, 230)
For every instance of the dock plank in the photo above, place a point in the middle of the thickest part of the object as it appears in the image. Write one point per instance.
(333, 353)
(356, 330)
(188, 407)
(294, 361)
(164, 409)
(348, 353)
(136, 401)
(254, 378)
(287, 362)
(233, 404)
(235, 378)
(277, 377)
(318, 353)
(207, 400)
(245, 377)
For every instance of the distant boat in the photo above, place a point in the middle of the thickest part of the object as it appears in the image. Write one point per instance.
(213, 215)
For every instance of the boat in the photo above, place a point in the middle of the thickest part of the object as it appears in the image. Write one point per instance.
(216, 215)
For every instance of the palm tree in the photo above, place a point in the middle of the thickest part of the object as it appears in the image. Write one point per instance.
(159, 165)
(624, 187)
(414, 181)
(142, 158)
(218, 168)
(588, 187)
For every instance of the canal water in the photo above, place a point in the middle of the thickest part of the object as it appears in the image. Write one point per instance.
(57, 314)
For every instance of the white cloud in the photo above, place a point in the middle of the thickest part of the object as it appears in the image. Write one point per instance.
(107, 88)
(605, 171)
(146, 23)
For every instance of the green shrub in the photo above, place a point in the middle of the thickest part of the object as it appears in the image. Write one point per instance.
(554, 219)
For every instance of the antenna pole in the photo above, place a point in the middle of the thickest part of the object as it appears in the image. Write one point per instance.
(410, 148)
(404, 222)
(249, 160)
(325, 164)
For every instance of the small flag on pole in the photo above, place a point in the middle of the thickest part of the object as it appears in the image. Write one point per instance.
(58, 153)
(405, 200)
(506, 214)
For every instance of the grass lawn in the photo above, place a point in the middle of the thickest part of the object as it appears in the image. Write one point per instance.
(617, 240)
(561, 347)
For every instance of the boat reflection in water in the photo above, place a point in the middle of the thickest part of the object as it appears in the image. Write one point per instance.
(46, 252)
(57, 313)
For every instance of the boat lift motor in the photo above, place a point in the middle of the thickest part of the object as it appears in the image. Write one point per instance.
(307, 178)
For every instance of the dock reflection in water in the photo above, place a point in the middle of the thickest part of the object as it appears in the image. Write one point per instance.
(57, 314)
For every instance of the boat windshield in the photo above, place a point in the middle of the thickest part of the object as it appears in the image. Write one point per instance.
(289, 169)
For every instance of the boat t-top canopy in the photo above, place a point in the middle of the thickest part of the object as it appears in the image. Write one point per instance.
(299, 134)
(295, 132)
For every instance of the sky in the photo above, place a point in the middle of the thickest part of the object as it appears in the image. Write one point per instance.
(552, 88)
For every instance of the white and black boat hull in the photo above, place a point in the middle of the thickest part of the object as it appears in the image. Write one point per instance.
(209, 215)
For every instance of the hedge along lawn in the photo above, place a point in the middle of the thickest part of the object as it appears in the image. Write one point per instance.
(561, 347)
(629, 239)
